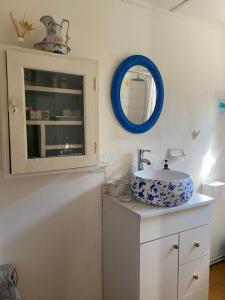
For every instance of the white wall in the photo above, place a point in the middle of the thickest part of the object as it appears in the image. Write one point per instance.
(50, 226)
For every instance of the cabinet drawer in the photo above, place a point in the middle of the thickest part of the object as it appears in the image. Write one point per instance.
(193, 279)
(194, 243)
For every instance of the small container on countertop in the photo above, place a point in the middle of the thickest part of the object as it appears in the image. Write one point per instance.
(118, 187)
(125, 198)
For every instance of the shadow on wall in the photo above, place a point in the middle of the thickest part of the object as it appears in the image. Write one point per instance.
(118, 165)
(57, 249)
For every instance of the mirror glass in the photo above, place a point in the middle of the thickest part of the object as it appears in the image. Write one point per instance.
(138, 94)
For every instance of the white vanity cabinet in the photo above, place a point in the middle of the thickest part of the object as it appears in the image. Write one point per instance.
(49, 102)
(154, 253)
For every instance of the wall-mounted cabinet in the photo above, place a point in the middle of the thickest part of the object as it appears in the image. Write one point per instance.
(52, 110)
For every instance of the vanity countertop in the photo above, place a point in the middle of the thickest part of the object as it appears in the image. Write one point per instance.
(147, 211)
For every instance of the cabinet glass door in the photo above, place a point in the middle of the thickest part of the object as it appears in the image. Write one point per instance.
(54, 114)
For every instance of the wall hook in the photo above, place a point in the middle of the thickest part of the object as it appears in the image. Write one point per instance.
(195, 134)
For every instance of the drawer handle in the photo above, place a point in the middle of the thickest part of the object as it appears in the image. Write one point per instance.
(176, 247)
(197, 245)
(195, 277)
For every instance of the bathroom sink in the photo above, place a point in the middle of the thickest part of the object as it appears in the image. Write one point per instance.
(162, 187)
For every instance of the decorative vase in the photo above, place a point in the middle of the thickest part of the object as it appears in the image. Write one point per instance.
(54, 42)
(20, 41)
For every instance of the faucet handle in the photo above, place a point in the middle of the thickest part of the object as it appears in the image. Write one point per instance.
(144, 150)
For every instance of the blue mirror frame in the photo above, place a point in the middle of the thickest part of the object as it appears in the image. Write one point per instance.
(128, 63)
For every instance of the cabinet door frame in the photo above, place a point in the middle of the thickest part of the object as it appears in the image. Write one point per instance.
(23, 58)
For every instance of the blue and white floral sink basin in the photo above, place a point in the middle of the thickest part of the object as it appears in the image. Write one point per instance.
(162, 187)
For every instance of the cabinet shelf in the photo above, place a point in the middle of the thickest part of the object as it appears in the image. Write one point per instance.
(64, 147)
(53, 122)
(35, 88)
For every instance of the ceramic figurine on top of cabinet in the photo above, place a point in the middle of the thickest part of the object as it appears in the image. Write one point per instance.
(21, 27)
(54, 42)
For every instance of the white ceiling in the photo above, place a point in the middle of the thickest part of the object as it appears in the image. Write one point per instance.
(208, 10)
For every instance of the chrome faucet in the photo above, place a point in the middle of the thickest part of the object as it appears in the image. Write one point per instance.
(142, 160)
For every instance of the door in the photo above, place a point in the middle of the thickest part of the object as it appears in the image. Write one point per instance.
(159, 269)
(52, 112)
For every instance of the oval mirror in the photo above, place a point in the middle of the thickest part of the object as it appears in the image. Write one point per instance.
(137, 94)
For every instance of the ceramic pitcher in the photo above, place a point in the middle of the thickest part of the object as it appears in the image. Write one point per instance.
(54, 30)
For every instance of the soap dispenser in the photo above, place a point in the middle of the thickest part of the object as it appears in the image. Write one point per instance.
(166, 166)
